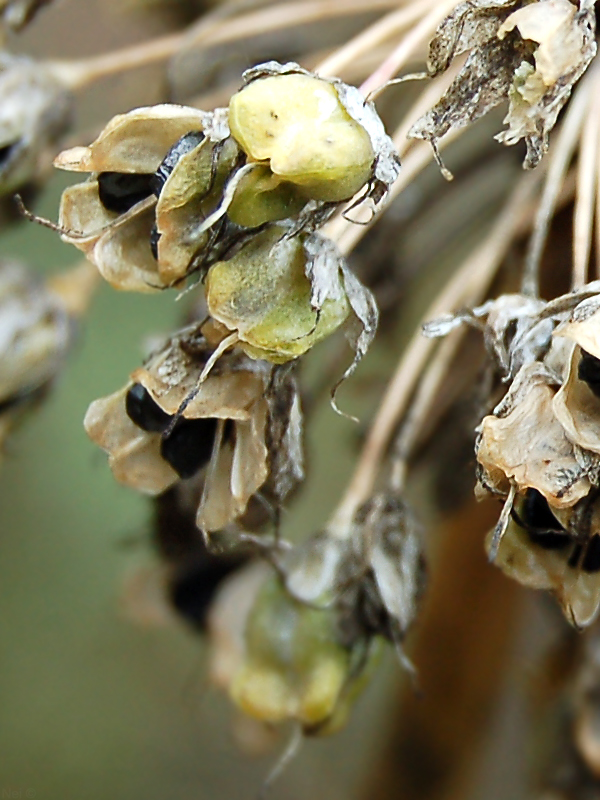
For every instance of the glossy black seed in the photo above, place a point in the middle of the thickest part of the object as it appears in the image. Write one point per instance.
(591, 559)
(144, 412)
(189, 445)
(154, 237)
(536, 513)
(186, 144)
(589, 371)
(120, 191)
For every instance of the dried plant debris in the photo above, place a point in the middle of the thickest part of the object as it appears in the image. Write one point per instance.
(15, 14)
(530, 54)
(35, 110)
(542, 437)
(37, 328)
(312, 634)
(173, 420)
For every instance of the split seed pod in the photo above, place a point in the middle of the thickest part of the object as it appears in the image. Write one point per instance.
(538, 552)
(166, 425)
(156, 172)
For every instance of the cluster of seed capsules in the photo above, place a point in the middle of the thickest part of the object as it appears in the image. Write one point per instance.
(539, 450)
(232, 201)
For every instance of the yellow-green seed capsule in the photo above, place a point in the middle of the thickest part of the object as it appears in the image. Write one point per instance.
(264, 295)
(295, 667)
(298, 124)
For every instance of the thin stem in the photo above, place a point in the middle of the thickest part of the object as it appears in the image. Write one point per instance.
(416, 37)
(372, 37)
(466, 286)
(346, 233)
(557, 167)
(209, 32)
(583, 218)
(425, 398)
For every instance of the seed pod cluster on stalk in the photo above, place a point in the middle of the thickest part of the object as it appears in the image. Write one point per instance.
(235, 198)
(539, 450)
(313, 631)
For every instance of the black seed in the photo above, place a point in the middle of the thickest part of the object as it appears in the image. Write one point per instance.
(120, 191)
(575, 556)
(589, 371)
(550, 541)
(154, 237)
(192, 591)
(186, 144)
(591, 559)
(189, 445)
(144, 412)
(536, 513)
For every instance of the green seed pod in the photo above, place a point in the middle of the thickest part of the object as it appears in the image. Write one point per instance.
(263, 197)
(298, 124)
(264, 294)
(295, 667)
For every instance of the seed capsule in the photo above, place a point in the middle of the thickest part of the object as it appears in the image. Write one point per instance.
(298, 124)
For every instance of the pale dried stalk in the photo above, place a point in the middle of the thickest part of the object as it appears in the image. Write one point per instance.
(79, 73)
(406, 48)
(372, 37)
(583, 220)
(465, 287)
(424, 400)
(558, 163)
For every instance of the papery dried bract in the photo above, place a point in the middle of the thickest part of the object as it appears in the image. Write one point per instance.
(500, 66)
(524, 444)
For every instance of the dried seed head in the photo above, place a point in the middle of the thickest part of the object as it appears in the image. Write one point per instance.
(166, 425)
(531, 55)
(37, 328)
(319, 134)
(296, 667)
(35, 110)
(155, 172)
